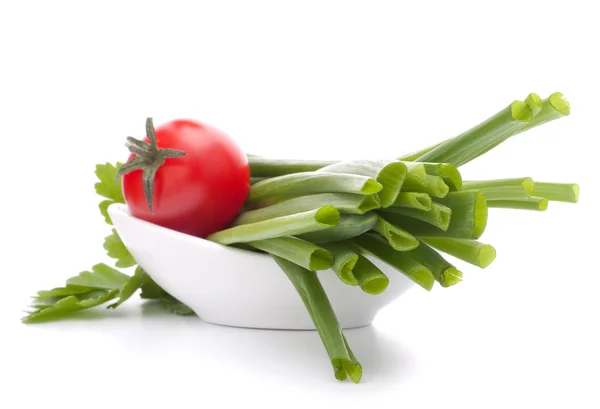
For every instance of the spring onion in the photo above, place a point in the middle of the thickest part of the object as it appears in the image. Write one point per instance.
(319, 308)
(448, 172)
(502, 189)
(486, 135)
(398, 238)
(390, 175)
(307, 183)
(444, 272)
(297, 251)
(351, 225)
(554, 107)
(343, 202)
(421, 201)
(435, 187)
(268, 168)
(344, 261)
(439, 215)
(467, 217)
(416, 174)
(254, 180)
(469, 214)
(370, 278)
(323, 218)
(560, 192)
(399, 260)
(531, 203)
(472, 251)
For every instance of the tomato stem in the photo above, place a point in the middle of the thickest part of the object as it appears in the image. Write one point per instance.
(148, 158)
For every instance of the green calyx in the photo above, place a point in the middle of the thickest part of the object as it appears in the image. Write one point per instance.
(148, 158)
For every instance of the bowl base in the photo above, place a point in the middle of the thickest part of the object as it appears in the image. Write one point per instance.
(282, 328)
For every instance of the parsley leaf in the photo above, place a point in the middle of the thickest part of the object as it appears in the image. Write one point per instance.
(103, 206)
(98, 286)
(175, 306)
(103, 283)
(109, 187)
(101, 277)
(86, 290)
(62, 291)
(67, 305)
(131, 286)
(152, 291)
(116, 249)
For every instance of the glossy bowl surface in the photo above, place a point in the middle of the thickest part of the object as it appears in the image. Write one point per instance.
(234, 287)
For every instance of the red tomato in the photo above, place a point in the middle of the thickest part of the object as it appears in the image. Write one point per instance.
(198, 193)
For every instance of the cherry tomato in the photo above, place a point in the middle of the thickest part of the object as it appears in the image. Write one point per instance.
(201, 184)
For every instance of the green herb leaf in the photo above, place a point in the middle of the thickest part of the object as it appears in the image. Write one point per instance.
(134, 284)
(101, 277)
(103, 206)
(116, 249)
(109, 187)
(175, 306)
(62, 291)
(70, 304)
(151, 290)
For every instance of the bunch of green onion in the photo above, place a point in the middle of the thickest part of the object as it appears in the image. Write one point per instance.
(318, 215)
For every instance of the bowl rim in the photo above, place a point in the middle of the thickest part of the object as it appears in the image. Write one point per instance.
(124, 210)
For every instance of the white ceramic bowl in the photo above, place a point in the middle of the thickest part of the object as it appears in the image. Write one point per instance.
(234, 287)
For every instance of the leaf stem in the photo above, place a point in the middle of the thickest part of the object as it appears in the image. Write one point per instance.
(472, 251)
(444, 272)
(502, 189)
(346, 203)
(559, 192)
(414, 200)
(313, 220)
(307, 183)
(370, 278)
(398, 238)
(486, 135)
(344, 261)
(439, 215)
(319, 308)
(448, 172)
(268, 168)
(532, 203)
(351, 225)
(377, 247)
(300, 252)
(389, 174)
(435, 187)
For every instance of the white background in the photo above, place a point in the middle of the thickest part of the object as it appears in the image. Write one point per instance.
(306, 79)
